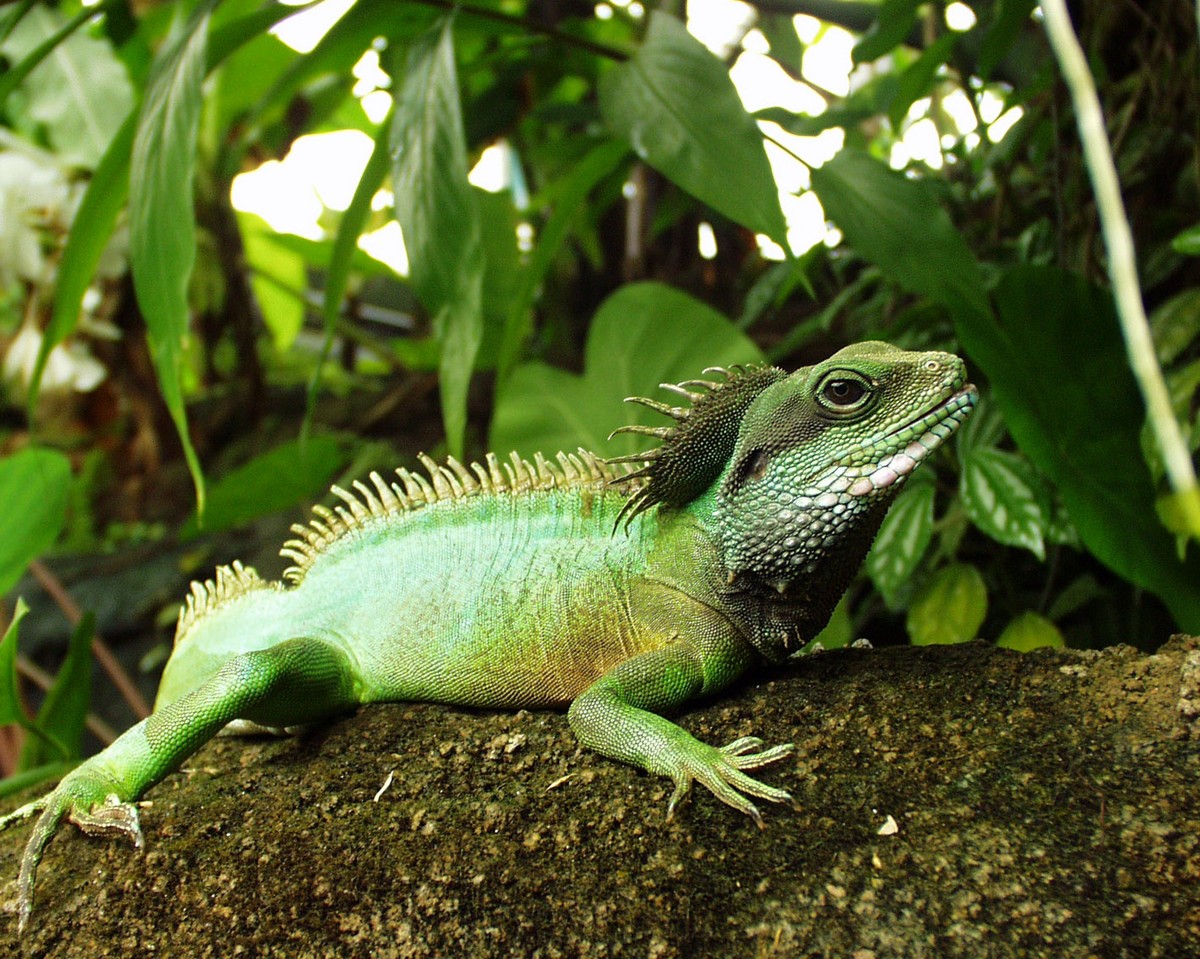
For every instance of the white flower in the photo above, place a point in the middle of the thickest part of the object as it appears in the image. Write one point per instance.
(70, 366)
(31, 194)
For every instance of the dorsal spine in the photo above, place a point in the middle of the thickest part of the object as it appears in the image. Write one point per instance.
(445, 483)
(228, 583)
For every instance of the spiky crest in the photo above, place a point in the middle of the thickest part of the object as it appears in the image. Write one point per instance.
(228, 582)
(693, 452)
(450, 482)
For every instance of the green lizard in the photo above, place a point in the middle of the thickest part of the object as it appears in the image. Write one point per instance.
(625, 588)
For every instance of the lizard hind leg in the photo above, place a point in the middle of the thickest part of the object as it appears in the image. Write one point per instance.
(294, 682)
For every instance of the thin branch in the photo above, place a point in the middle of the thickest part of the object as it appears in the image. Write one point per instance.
(1122, 263)
(108, 662)
(43, 681)
(784, 147)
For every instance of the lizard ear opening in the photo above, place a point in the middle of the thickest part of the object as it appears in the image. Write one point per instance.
(695, 450)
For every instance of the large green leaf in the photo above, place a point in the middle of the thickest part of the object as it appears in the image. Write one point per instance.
(902, 541)
(1003, 497)
(79, 93)
(897, 224)
(644, 334)
(436, 209)
(273, 481)
(1058, 371)
(162, 222)
(34, 485)
(675, 104)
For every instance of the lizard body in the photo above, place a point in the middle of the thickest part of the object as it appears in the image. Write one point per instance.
(624, 588)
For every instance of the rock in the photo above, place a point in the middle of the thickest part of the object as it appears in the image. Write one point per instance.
(953, 801)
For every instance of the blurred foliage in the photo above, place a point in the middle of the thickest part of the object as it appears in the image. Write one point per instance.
(150, 330)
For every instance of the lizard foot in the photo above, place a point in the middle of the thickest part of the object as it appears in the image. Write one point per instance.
(721, 770)
(84, 798)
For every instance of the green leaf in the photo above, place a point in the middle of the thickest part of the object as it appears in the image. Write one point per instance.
(674, 103)
(1004, 497)
(920, 77)
(575, 186)
(1058, 371)
(895, 223)
(436, 210)
(73, 83)
(784, 41)
(344, 255)
(1075, 595)
(10, 702)
(247, 75)
(64, 710)
(1009, 18)
(839, 631)
(337, 51)
(1188, 242)
(895, 21)
(162, 220)
(91, 229)
(34, 485)
(901, 541)
(1176, 325)
(498, 221)
(274, 481)
(950, 609)
(19, 782)
(984, 428)
(1030, 631)
(645, 333)
(278, 277)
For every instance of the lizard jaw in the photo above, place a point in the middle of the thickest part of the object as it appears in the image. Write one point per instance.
(931, 430)
(876, 467)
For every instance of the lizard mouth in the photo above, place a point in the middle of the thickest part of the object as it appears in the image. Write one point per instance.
(887, 460)
(904, 448)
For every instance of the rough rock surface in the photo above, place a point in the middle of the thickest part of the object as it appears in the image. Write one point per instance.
(952, 802)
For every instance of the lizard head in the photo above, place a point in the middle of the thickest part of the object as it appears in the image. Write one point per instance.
(821, 453)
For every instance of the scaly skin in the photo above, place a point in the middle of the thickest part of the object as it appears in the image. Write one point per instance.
(622, 595)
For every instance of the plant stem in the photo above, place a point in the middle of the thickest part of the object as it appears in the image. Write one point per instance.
(1122, 263)
(121, 679)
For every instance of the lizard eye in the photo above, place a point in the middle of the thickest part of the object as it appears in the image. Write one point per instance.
(842, 392)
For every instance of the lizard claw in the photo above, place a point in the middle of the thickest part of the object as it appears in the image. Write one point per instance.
(111, 816)
(721, 770)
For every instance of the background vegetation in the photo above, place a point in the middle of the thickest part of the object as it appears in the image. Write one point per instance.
(155, 334)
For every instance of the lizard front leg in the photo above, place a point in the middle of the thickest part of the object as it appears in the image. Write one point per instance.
(618, 717)
(295, 682)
